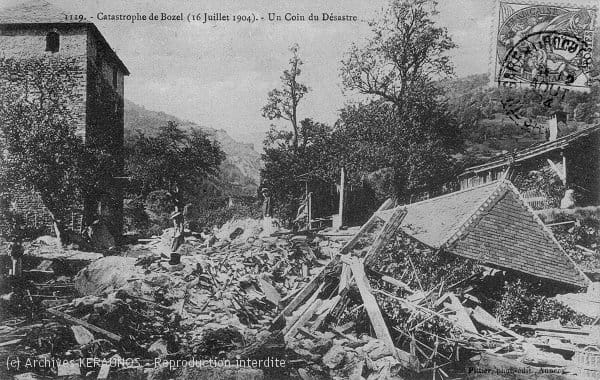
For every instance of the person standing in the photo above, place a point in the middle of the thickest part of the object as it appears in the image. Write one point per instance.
(16, 254)
(267, 206)
(178, 237)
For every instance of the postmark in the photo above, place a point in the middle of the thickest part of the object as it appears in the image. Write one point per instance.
(549, 64)
(549, 44)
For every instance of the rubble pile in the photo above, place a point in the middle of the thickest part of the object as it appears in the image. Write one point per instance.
(441, 329)
(215, 301)
(332, 305)
(443, 334)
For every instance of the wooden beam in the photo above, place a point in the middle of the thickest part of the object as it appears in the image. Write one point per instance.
(370, 303)
(80, 322)
(365, 227)
(342, 191)
(309, 201)
(462, 317)
(344, 277)
(304, 317)
(376, 318)
(385, 235)
(303, 294)
(480, 315)
(398, 283)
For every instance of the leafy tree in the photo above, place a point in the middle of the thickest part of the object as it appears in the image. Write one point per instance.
(282, 103)
(371, 136)
(406, 52)
(406, 125)
(41, 149)
(283, 164)
(174, 161)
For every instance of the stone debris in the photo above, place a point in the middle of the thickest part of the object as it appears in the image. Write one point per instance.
(216, 301)
(307, 299)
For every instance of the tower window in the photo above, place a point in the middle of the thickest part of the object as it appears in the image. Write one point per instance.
(52, 42)
(115, 78)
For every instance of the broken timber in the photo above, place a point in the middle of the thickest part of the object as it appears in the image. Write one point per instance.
(307, 291)
(384, 236)
(88, 326)
(365, 227)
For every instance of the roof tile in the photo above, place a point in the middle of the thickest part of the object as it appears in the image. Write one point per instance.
(505, 232)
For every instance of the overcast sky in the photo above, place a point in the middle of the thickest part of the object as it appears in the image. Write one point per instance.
(218, 75)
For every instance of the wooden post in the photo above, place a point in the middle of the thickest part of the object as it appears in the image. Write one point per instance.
(309, 201)
(17, 267)
(342, 191)
(385, 235)
(564, 160)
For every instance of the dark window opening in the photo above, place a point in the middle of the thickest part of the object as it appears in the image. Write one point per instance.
(52, 42)
(115, 78)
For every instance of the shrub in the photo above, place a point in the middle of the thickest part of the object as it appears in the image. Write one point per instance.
(524, 302)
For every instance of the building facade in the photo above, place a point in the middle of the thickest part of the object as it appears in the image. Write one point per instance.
(571, 161)
(37, 29)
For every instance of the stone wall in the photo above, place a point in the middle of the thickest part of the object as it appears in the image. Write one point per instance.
(96, 104)
(105, 118)
(30, 41)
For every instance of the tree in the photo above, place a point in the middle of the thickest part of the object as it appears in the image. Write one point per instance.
(369, 137)
(283, 163)
(174, 161)
(282, 103)
(41, 149)
(405, 124)
(405, 53)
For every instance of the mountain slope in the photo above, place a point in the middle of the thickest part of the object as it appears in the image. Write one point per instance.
(240, 172)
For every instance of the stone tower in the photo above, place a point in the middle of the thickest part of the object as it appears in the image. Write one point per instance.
(38, 29)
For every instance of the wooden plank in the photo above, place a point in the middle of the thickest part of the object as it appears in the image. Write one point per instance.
(389, 229)
(269, 291)
(323, 315)
(344, 277)
(398, 283)
(376, 318)
(365, 227)
(488, 320)
(305, 317)
(564, 330)
(104, 371)
(462, 317)
(293, 318)
(10, 342)
(370, 304)
(80, 322)
(306, 291)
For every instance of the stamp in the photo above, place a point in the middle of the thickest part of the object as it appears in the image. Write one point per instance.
(548, 44)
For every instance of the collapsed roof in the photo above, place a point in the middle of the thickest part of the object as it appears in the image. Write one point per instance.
(532, 151)
(493, 224)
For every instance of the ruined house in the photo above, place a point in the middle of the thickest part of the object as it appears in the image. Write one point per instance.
(38, 29)
(492, 224)
(573, 160)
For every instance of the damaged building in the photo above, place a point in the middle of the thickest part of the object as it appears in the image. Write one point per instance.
(571, 160)
(37, 29)
(494, 225)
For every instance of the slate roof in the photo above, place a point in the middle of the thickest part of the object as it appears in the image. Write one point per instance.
(33, 12)
(491, 223)
(532, 151)
(42, 12)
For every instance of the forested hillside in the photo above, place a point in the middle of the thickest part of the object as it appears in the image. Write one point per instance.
(241, 168)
